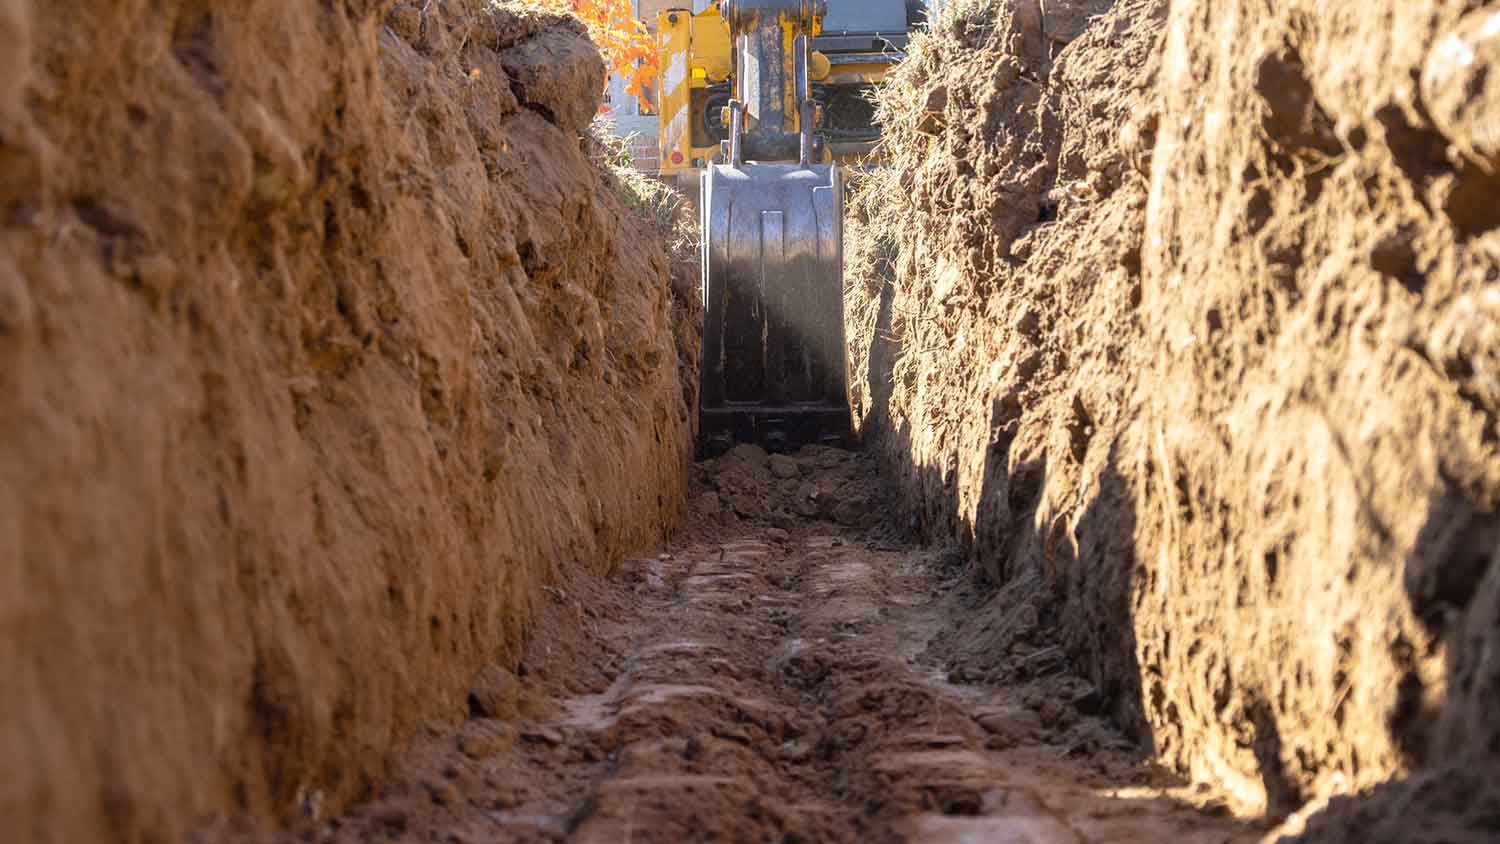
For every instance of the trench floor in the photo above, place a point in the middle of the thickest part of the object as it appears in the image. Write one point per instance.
(786, 677)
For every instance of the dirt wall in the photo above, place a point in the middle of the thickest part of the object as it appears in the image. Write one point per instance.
(322, 346)
(1183, 318)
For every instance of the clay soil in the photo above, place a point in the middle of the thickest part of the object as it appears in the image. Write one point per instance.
(791, 676)
(324, 344)
(1181, 320)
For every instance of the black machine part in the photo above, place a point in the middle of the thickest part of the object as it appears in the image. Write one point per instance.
(774, 367)
(865, 16)
(864, 26)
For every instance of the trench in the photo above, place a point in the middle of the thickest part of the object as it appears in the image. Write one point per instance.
(791, 669)
(348, 373)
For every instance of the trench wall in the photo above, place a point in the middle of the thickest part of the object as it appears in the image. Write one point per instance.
(323, 345)
(1183, 318)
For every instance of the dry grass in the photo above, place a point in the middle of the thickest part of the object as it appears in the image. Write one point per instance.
(872, 223)
(879, 202)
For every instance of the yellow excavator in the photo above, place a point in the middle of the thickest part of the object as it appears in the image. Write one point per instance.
(856, 45)
(763, 101)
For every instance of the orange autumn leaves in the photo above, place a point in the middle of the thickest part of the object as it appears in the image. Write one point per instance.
(629, 48)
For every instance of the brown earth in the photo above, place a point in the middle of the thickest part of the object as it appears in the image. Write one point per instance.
(779, 678)
(1183, 319)
(323, 348)
(337, 380)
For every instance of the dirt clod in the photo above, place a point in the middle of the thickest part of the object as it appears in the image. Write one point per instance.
(785, 467)
(1459, 88)
(494, 694)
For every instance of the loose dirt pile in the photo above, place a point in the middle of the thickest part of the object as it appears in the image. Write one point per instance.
(785, 489)
(1185, 323)
(775, 680)
(323, 347)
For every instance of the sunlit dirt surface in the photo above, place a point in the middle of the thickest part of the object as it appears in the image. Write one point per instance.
(778, 678)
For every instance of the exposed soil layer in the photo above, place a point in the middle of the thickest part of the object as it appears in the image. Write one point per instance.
(339, 389)
(323, 347)
(775, 679)
(1183, 318)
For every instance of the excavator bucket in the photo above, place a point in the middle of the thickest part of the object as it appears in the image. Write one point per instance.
(773, 253)
(773, 343)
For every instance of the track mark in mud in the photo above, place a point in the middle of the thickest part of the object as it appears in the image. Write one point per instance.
(772, 684)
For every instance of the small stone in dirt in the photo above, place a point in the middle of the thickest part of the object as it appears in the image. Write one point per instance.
(999, 741)
(784, 520)
(778, 535)
(849, 513)
(1057, 715)
(1015, 723)
(784, 467)
(494, 694)
(807, 500)
(795, 752)
(444, 794)
(851, 733)
(504, 797)
(966, 804)
(406, 21)
(391, 818)
(746, 506)
(486, 742)
(544, 735)
(964, 675)
(710, 505)
(752, 454)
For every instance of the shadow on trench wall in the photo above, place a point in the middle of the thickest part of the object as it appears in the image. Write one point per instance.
(1084, 598)
(1452, 579)
(1084, 586)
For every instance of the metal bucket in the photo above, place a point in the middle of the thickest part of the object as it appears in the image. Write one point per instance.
(774, 369)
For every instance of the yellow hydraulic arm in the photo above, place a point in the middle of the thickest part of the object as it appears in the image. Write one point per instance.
(697, 79)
